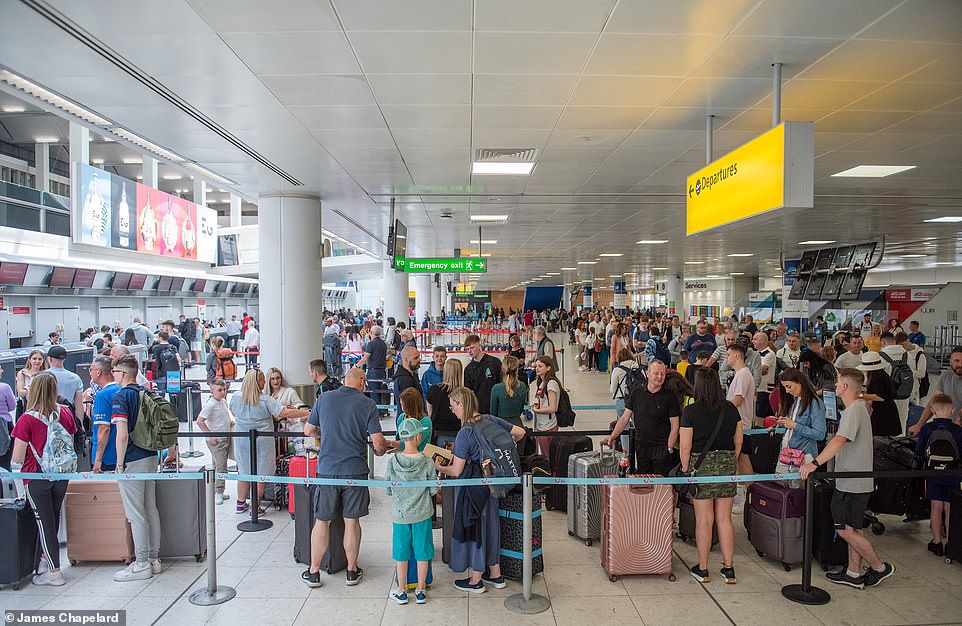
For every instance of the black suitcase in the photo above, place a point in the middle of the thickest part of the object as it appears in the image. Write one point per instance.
(763, 452)
(335, 560)
(686, 521)
(21, 547)
(897, 496)
(510, 515)
(185, 413)
(828, 548)
(558, 452)
(953, 547)
(447, 522)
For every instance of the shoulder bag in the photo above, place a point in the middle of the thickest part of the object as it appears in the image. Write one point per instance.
(691, 489)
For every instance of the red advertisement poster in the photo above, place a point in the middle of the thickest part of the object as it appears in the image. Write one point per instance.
(166, 224)
(148, 225)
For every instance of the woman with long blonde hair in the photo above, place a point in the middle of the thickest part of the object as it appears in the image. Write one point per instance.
(446, 424)
(36, 363)
(544, 404)
(255, 410)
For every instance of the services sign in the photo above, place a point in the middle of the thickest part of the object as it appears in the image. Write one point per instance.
(772, 171)
(449, 266)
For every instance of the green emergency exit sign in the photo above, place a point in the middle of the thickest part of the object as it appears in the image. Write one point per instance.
(451, 266)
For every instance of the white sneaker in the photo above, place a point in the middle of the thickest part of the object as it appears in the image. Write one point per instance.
(224, 496)
(134, 571)
(219, 500)
(738, 508)
(43, 568)
(155, 567)
(54, 579)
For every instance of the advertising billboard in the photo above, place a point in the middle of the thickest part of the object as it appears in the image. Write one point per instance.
(118, 213)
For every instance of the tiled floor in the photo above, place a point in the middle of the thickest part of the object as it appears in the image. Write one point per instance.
(260, 567)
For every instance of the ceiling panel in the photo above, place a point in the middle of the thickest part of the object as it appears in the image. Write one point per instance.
(515, 117)
(814, 18)
(919, 20)
(432, 137)
(531, 53)
(413, 52)
(556, 16)
(649, 55)
(416, 15)
(427, 116)
(421, 88)
(522, 89)
(338, 117)
(679, 16)
(876, 60)
(603, 117)
(294, 53)
(299, 89)
(246, 16)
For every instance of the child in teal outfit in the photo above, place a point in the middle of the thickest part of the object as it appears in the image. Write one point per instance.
(411, 510)
(412, 405)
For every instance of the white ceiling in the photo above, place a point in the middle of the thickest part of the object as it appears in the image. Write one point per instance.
(365, 100)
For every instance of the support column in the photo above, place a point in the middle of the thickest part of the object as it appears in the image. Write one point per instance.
(621, 294)
(436, 298)
(200, 192)
(422, 296)
(290, 286)
(235, 210)
(586, 289)
(675, 296)
(150, 172)
(395, 291)
(42, 165)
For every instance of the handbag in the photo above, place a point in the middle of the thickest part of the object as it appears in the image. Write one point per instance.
(691, 489)
(788, 455)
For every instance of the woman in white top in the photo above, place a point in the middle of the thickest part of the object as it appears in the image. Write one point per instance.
(280, 390)
(580, 335)
(36, 363)
(353, 340)
(544, 405)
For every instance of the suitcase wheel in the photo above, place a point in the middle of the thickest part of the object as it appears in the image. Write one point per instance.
(878, 528)
(786, 567)
(612, 578)
(16, 586)
(588, 542)
(571, 533)
(684, 538)
(292, 516)
(671, 578)
(72, 562)
(759, 552)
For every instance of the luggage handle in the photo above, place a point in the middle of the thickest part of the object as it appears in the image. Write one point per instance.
(641, 489)
(601, 451)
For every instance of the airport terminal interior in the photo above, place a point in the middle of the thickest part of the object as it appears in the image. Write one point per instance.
(790, 167)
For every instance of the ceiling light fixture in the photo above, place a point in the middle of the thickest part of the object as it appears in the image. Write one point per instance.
(652, 241)
(553, 273)
(171, 177)
(505, 169)
(206, 173)
(913, 256)
(631, 273)
(872, 171)
(947, 219)
(46, 139)
(736, 273)
(587, 262)
(486, 242)
(97, 161)
(612, 254)
(51, 98)
(659, 269)
(13, 108)
(568, 269)
(694, 262)
(816, 242)
(133, 161)
(745, 254)
(489, 218)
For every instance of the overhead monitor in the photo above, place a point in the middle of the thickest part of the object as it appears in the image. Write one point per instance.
(397, 243)
(843, 257)
(221, 287)
(807, 263)
(227, 250)
(863, 254)
(833, 285)
(121, 281)
(815, 284)
(163, 284)
(798, 288)
(137, 281)
(852, 285)
(177, 284)
(12, 273)
(62, 277)
(84, 278)
(825, 259)
(199, 285)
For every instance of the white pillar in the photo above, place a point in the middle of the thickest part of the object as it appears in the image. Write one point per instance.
(235, 210)
(200, 192)
(79, 144)
(588, 301)
(42, 165)
(675, 296)
(395, 294)
(435, 300)
(150, 172)
(422, 296)
(290, 283)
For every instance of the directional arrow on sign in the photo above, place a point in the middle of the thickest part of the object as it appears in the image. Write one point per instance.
(480, 265)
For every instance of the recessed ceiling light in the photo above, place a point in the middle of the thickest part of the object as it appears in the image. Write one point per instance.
(13, 108)
(612, 254)
(587, 262)
(742, 254)
(945, 263)
(913, 256)
(945, 219)
(631, 273)
(736, 273)
(133, 161)
(489, 242)
(568, 269)
(507, 169)
(614, 276)
(652, 241)
(694, 262)
(659, 269)
(485, 255)
(171, 177)
(97, 161)
(554, 273)
(46, 139)
(816, 242)
(489, 218)
(873, 171)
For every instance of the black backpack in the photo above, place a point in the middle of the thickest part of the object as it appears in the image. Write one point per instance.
(168, 360)
(662, 353)
(634, 378)
(902, 375)
(564, 414)
(941, 450)
(499, 449)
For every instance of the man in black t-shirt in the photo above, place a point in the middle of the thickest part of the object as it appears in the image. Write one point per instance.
(656, 413)
(375, 357)
(482, 373)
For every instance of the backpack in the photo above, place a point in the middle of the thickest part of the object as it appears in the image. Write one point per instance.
(329, 384)
(661, 351)
(58, 456)
(924, 384)
(634, 378)
(565, 415)
(902, 375)
(168, 360)
(942, 451)
(225, 369)
(499, 449)
(157, 425)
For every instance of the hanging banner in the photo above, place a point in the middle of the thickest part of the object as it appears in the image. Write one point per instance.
(620, 295)
(589, 301)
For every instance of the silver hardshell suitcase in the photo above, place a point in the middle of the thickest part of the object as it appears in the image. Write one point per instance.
(584, 501)
(182, 505)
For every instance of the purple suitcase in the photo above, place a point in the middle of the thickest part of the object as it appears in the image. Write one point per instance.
(775, 520)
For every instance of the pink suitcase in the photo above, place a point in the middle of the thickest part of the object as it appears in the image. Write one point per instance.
(636, 529)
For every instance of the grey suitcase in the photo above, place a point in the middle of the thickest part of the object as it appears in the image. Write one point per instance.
(584, 501)
(182, 505)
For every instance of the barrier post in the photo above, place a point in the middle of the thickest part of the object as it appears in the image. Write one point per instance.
(527, 603)
(254, 524)
(806, 593)
(188, 391)
(213, 594)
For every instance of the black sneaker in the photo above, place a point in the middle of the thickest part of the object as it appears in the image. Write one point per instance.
(497, 583)
(353, 577)
(842, 578)
(311, 580)
(464, 584)
(728, 573)
(873, 578)
(701, 575)
(936, 548)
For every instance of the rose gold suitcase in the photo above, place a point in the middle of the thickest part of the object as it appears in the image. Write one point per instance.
(97, 527)
(636, 529)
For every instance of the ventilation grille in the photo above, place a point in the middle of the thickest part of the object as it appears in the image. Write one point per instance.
(507, 155)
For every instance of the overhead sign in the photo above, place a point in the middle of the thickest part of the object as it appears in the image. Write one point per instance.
(772, 171)
(910, 295)
(451, 266)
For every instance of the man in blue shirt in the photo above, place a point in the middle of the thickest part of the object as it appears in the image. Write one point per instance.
(104, 438)
(916, 336)
(434, 375)
(344, 419)
(701, 340)
(139, 496)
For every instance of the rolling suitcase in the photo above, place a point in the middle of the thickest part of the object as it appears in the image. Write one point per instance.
(21, 547)
(953, 547)
(188, 410)
(335, 559)
(297, 466)
(763, 452)
(828, 548)
(686, 521)
(775, 520)
(636, 533)
(511, 517)
(584, 501)
(412, 582)
(97, 526)
(897, 496)
(447, 522)
(558, 452)
(182, 505)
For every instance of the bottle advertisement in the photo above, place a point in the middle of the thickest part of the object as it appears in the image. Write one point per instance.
(119, 213)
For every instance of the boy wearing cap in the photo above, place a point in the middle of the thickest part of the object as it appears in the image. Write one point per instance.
(411, 510)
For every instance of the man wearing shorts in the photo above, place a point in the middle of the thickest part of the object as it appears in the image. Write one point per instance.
(852, 449)
(343, 418)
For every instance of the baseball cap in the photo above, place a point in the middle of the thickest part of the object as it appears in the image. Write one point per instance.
(57, 352)
(410, 427)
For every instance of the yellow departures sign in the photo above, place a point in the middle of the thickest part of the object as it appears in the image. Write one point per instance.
(772, 171)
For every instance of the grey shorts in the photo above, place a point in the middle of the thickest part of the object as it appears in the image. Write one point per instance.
(848, 509)
(334, 501)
